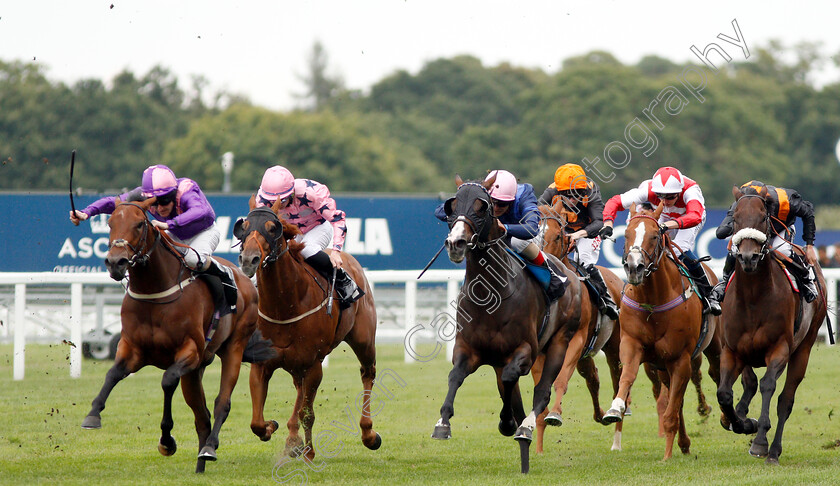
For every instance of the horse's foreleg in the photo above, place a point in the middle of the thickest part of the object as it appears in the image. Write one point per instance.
(587, 369)
(749, 382)
(311, 381)
(512, 409)
(294, 444)
(258, 383)
(464, 364)
(795, 373)
(680, 374)
(186, 360)
(554, 357)
(631, 358)
(767, 387)
(703, 408)
(126, 362)
(193, 392)
(730, 368)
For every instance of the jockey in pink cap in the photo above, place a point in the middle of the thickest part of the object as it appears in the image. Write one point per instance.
(308, 205)
(515, 208)
(683, 217)
(182, 210)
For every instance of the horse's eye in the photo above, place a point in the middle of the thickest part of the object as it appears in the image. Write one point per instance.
(139, 226)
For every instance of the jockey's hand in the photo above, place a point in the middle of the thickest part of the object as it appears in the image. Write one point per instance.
(577, 235)
(810, 254)
(160, 224)
(606, 232)
(335, 259)
(77, 217)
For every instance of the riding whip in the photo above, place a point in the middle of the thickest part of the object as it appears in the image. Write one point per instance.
(332, 291)
(431, 261)
(72, 163)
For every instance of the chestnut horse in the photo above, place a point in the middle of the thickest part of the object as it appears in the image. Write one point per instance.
(596, 333)
(661, 323)
(765, 324)
(294, 314)
(503, 318)
(166, 315)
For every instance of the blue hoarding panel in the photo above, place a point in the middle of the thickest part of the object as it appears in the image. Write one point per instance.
(388, 232)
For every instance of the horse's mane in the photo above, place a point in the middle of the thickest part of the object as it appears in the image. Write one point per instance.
(646, 207)
(289, 233)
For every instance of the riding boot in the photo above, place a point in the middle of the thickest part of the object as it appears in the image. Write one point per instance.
(225, 275)
(701, 280)
(606, 305)
(719, 291)
(801, 270)
(346, 289)
(557, 284)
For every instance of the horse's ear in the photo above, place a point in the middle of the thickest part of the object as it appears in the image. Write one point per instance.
(736, 192)
(276, 206)
(632, 210)
(238, 230)
(252, 203)
(449, 206)
(458, 180)
(117, 201)
(489, 182)
(658, 210)
(146, 204)
(545, 209)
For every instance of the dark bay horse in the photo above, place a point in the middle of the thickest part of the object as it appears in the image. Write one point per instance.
(661, 324)
(165, 323)
(765, 324)
(502, 316)
(596, 332)
(294, 314)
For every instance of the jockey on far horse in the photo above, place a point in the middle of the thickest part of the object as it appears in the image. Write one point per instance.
(582, 198)
(515, 208)
(182, 210)
(683, 217)
(308, 205)
(785, 207)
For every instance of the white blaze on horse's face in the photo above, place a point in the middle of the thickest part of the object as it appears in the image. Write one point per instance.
(634, 264)
(456, 241)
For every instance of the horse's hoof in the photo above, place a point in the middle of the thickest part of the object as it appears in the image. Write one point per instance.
(507, 428)
(758, 451)
(772, 461)
(701, 410)
(628, 412)
(724, 422)
(168, 449)
(207, 453)
(612, 416)
(554, 419)
(92, 422)
(523, 434)
(752, 426)
(376, 443)
(442, 432)
(268, 431)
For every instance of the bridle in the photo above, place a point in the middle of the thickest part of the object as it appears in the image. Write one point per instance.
(562, 223)
(139, 255)
(651, 259)
(277, 245)
(464, 213)
(753, 233)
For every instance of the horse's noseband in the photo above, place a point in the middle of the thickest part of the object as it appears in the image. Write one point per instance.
(463, 211)
(759, 236)
(651, 259)
(139, 255)
(257, 219)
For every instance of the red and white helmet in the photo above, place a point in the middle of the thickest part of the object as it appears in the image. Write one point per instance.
(277, 183)
(667, 180)
(504, 187)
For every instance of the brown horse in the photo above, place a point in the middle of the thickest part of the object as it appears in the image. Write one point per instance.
(596, 332)
(297, 314)
(503, 319)
(661, 323)
(166, 317)
(765, 324)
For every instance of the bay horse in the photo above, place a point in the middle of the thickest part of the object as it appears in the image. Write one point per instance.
(303, 323)
(166, 316)
(596, 332)
(765, 324)
(503, 319)
(661, 324)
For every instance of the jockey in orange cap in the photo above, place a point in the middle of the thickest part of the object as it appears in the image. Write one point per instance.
(683, 217)
(308, 204)
(582, 197)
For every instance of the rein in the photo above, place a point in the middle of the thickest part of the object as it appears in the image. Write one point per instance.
(660, 249)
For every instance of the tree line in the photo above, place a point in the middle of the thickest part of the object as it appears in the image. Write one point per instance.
(411, 133)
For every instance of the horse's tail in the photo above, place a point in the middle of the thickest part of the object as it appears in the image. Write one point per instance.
(258, 349)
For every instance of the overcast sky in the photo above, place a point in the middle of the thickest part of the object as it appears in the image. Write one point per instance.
(259, 48)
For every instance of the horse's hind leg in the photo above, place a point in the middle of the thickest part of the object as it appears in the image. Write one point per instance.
(749, 382)
(193, 392)
(795, 373)
(587, 369)
(311, 381)
(258, 383)
(730, 368)
(231, 361)
(680, 373)
(366, 353)
(513, 412)
(703, 408)
(126, 363)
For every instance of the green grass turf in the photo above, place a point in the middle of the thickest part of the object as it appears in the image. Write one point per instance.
(41, 440)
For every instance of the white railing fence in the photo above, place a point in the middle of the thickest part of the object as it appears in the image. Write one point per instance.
(404, 306)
